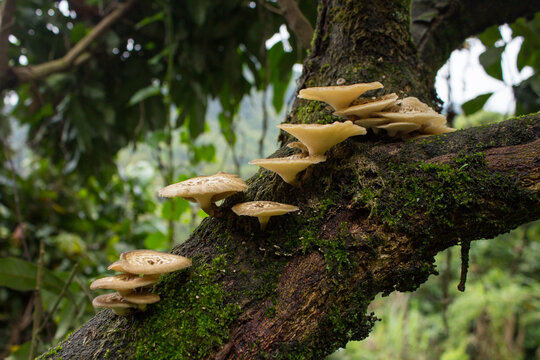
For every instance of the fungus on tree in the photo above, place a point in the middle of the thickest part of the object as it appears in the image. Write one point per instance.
(363, 107)
(288, 167)
(318, 138)
(115, 302)
(124, 283)
(206, 190)
(338, 97)
(399, 128)
(149, 262)
(263, 210)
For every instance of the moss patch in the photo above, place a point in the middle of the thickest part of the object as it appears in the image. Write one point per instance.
(191, 320)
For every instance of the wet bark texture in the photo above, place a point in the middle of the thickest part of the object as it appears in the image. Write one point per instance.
(372, 219)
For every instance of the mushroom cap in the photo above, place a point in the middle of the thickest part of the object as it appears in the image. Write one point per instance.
(288, 167)
(149, 262)
(371, 122)
(112, 301)
(437, 129)
(263, 208)
(298, 145)
(141, 298)
(124, 282)
(366, 107)
(339, 97)
(318, 138)
(399, 127)
(219, 186)
(413, 110)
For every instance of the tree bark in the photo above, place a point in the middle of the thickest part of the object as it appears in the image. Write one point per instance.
(373, 216)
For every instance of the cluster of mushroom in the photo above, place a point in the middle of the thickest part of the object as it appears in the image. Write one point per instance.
(207, 190)
(408, 118)
(140, 271)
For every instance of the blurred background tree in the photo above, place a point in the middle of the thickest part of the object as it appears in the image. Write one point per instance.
(105, 102)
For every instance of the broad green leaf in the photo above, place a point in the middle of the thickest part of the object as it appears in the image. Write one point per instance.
(490, 36)
(174, 208)
(20, 275)
(78, 32)
(472, 106)
(144, 93)
(491, 61)
(156, 241)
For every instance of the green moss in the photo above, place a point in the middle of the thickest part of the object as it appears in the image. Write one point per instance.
(190, 320)
(314, 112)
(52, 353)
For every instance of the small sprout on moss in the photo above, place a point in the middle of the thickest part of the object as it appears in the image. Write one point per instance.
(288, 167)
(263, 210)
(206, 190)
(339, 97)
(319, 138)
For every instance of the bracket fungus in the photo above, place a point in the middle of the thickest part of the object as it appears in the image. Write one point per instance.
(318, 138)
(115, 302)
(206, 190)
(363, 108)
(399, 128)
(149, 262)
(338, 97)
(124, 283)
(263, 210)
(288, 167)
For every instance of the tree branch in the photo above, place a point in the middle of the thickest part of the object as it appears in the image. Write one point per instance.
(75, 56)
(7, 11)
(305, 285)
(439, 27)
(298, 23)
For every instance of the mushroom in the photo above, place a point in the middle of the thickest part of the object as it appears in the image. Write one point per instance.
(298, 145)
(149, 262)
(115, 302)
(263, 210)
(320, 137)
(400, 128)
(288, 167)
(206, 190)
(365, 107)
(413, 110)
(339, 97)
(124, 283)
(437, 129)
(141, 299)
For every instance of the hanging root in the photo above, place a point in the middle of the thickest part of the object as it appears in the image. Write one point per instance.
(465, 248)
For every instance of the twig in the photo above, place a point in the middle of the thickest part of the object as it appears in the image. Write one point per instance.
(60, 296)
(298, 23)
(76, 55)
(465, 248)
(16, 198)
(38, 308)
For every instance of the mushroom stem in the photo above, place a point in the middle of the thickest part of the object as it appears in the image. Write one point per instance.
(121, 311)
(206, 204)
(263, 220)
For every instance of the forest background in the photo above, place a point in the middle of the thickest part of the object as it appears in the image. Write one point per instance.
(181, 91)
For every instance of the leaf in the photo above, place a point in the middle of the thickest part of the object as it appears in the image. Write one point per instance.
(491, 61)
(156, 241)
(20, 275)
(78, 32)
(144, 93)
(174, 208)
(490, 36)
(472, 106)
(150, 19)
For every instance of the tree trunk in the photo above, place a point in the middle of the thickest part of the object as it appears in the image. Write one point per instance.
(373, 216)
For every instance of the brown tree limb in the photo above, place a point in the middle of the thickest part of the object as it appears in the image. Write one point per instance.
(74, 57)
(441, 26)
(7, 11)
(298, 23)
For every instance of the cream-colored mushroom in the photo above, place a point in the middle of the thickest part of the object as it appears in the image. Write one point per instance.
(298, 145)
(400, 128)
(318, 138)
(115, 302)
(149, 262)
(124, 283)
(413, 110)
(141, 299)
(288, 167)
(206, 190)
(437, 129)
(263, 210)
(339, 97)
(365, 107)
